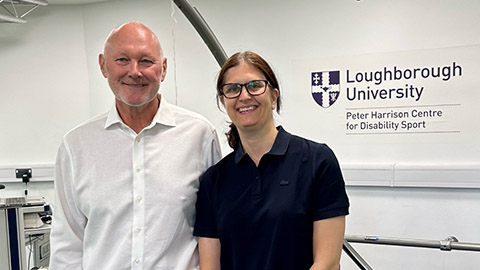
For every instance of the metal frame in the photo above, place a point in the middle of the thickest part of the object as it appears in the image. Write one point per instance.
(356, 258)
(203, 30)
(17, 9)
(448, 244)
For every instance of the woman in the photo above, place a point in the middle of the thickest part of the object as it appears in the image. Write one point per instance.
(278, 201)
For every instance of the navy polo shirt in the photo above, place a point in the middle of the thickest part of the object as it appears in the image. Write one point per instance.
(263, 216)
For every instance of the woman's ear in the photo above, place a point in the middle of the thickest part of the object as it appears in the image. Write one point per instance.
(222, 100)
(275, 94)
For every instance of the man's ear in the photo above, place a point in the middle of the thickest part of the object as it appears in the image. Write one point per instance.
(101, 62)
(164, 69)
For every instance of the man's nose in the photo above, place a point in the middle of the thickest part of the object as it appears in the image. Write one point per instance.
(134, 70)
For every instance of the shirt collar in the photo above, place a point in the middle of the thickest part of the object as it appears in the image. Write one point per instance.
(279, 148)
(163, 116)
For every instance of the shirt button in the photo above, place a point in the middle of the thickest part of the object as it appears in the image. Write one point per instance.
(138, 168)
(139, 199)
(138, 230)
(137, 140)
(137, 261)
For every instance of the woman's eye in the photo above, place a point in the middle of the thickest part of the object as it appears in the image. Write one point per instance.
(233, 88)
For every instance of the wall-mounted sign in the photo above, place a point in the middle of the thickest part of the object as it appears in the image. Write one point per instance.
(398, 107)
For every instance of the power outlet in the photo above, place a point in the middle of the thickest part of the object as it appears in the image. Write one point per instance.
(24, 174)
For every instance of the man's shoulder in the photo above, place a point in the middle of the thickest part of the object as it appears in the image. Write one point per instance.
(90, 125)
(185, 115)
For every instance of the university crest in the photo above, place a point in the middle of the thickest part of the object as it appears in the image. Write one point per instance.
(325, 87)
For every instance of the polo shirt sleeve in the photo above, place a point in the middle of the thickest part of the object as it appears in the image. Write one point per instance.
(205, 225)
(329, 195)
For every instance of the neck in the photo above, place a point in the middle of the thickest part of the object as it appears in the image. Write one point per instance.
(137, 118)
(257, 143)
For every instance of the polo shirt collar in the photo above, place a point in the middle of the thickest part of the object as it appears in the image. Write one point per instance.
(163, 116)
(279, 148)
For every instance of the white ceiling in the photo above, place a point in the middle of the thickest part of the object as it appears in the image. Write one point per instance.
(73, 2)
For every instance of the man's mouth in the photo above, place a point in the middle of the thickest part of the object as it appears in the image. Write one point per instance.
(135, 85)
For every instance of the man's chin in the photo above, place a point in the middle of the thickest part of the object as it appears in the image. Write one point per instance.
(136, 103)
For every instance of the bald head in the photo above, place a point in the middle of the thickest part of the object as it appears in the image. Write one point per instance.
(130, 31)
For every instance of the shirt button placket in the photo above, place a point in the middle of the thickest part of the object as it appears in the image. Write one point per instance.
(138, 205)
(257, 186)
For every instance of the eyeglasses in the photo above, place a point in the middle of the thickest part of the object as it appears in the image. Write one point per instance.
(254, 88)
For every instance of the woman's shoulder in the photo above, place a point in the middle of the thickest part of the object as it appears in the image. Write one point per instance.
(310, 145)
(223, 164)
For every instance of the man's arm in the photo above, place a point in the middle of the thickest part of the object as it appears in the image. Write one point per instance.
(212, 152)
(209, 253)
(66, 238)
(328, 237)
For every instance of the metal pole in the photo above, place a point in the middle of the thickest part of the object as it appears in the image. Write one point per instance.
(447, 244)
(356, 258)
(203, 29)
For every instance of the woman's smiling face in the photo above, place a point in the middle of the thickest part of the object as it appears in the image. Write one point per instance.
(246, 111)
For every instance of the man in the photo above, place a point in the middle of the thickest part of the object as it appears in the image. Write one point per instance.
(126, 181)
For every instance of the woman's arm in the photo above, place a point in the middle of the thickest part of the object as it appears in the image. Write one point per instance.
(209, 253)
(328, 237)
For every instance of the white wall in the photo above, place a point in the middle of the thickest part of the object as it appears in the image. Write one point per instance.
(43, 75)
(50, 82)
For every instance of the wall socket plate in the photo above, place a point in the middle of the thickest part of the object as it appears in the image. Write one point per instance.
(24, 174)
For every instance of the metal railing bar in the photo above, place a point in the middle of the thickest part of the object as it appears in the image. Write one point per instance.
(447, 244)
(355, 256)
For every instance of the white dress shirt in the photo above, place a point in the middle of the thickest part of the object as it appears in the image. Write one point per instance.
(127, 200)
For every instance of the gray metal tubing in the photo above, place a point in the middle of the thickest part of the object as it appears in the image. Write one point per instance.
(447, 244)
(466, 246)
(11, 19)
(356, 258)
(203, 29)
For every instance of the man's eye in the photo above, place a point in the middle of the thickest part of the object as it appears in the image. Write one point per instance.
(122, 60)
(146, 62)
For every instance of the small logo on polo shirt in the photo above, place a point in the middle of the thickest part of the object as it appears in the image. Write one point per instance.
(283, 182)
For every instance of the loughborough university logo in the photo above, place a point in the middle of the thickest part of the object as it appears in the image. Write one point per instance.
(325, 87)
